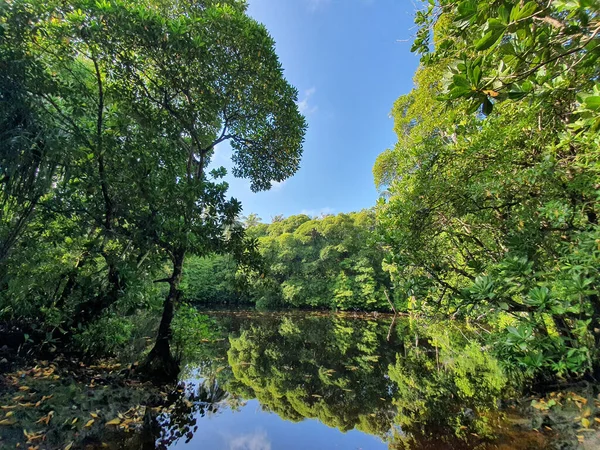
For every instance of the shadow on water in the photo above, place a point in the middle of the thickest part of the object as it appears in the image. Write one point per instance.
(285, 380)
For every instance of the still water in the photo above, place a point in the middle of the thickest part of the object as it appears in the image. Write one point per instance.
(305, 381)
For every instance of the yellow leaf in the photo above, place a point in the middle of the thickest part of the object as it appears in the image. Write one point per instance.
(115, 421)
(23, 388)
(94, 415)
(7, 422)
(585, 422)
(89, 423)
(74, 421)
(10, 413)
(69, 445)
(597, 419)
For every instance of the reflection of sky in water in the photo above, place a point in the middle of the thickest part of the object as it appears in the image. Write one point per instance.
(250, 428)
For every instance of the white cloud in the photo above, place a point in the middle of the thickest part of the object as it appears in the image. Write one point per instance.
(277, 185)
(315, 5)
(318, 212)
(253, 441)
(304, 106)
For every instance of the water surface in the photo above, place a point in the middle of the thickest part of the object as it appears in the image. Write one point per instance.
(322, 381)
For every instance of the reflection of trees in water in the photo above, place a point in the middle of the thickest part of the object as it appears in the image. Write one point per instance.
(187, 405)
(425, 384)
(447, 390)
(422, 386)
(329, 369)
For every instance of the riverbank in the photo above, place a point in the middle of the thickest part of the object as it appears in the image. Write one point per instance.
(62, 403)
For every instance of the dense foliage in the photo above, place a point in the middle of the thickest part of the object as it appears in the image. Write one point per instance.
(332, 262)
(492, 188)
(110, 112)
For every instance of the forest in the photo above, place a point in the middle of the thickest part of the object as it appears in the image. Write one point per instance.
(114, 225)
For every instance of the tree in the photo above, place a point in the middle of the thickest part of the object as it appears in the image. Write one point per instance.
(140, 93)
(488, 212)
(227, 84)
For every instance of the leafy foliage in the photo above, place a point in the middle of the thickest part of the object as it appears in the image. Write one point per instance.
(495, 214)
(110, 113)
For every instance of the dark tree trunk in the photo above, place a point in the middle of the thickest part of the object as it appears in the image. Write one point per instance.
(92, 309)
(160, 365)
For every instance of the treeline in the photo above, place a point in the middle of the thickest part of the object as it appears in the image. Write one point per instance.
(332, 262)
(109, 115)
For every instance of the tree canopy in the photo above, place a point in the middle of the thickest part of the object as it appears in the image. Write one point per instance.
(113, 110)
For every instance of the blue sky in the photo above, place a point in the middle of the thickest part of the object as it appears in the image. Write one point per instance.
(349, 59)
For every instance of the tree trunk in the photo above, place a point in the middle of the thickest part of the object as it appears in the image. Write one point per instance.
(160, 365)
(92, 309)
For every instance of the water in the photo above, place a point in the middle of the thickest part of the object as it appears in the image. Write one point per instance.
(306, 381)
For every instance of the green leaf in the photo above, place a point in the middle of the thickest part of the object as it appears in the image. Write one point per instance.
(592, 102)
(504, 14)
(461, 81)
(495, 32)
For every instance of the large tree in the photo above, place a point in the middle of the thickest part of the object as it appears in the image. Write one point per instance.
(144, 91)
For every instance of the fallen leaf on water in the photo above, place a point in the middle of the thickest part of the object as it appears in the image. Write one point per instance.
(7, 422)
(23, 388)
(10, 413)
(115, 421)
(68, 446)
(94, 415)
(47, 397)
(89, 423)
(33, 436)
(74, 421)
(46, 419)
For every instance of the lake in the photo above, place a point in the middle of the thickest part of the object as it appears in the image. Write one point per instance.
(262, 381)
